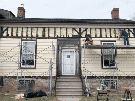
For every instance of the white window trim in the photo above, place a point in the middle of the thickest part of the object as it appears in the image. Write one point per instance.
(28, 66)
(108, 67)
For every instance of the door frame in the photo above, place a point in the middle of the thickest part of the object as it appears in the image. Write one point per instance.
(68, 43)
(68, 50)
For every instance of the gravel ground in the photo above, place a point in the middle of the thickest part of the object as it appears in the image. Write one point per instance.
(112, 97)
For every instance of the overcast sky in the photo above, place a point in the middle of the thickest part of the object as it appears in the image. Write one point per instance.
(86, 9)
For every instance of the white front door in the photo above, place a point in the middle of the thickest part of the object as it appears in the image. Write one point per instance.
(68, 62)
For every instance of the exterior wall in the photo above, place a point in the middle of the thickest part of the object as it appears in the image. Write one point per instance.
(10, 57)
(122, 84)
(46, 34)
(11, 85)
(125, 60)
(56, 31)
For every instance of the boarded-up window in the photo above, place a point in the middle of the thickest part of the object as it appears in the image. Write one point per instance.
(28, 54)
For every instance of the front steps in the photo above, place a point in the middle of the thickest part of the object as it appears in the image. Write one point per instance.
(68, 86)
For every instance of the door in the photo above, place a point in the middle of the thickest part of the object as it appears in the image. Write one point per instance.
(68, 62)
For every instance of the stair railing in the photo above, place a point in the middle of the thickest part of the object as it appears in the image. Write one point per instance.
(50, 77)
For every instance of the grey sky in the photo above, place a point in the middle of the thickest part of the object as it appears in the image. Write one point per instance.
(89, 9)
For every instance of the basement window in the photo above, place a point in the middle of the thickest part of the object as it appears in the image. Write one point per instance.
(28, 51)
(110, 83)
(26, 85)
(1, 81)
(108, 55)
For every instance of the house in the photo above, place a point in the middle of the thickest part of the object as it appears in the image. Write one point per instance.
(68, 55)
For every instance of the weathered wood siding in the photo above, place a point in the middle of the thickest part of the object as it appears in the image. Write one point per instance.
(125, 59)
(10, 57)
(46, 35)
(55, 32)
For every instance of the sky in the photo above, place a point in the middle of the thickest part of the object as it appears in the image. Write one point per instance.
(78, 9)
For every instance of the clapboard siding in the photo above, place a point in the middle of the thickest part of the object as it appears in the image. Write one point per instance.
(125, 59)
(47, 48)
(10, 57)
(54, 32)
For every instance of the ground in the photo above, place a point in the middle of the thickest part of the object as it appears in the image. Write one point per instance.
(112, 97)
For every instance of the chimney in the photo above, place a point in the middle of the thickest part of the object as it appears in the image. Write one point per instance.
(21, 11)
(115, 13)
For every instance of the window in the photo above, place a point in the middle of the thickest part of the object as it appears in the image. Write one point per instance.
(28, 54)
(1, 81)
(26, 84)
(110, 83)
(108, 55)
(1, 31)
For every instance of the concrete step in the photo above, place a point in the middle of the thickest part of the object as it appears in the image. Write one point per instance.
(65, 84)
(68, 77)
(65, 87)
(68, 86)
(69, 90)
(74, 93)
(69, 98)
(68, 80)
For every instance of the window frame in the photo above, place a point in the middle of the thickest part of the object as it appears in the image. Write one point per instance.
(102, 56)
(23, 83)
(109, 83)
(35, 54)
(1, 81)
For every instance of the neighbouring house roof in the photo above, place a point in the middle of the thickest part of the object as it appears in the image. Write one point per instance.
(5, 14)
(58, 20)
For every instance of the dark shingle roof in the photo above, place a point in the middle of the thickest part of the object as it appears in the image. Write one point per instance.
(5, 14)
(56, 20)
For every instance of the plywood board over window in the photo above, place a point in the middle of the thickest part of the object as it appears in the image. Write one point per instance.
(130, 33)
(9, 31)
(51, 32)
(19, 31)
(103, 32)
(84, 31)
(5, 32)
(117, 32)
(28, 54)
(13, 31)
(34, 32)
(57, 32)
(112, 33)
(40, 30)
(29, 32)
(63, 32)
(69, 32)
(24, 32)
(75, 31)
(98, 32)
(108, 32)
(93, 32)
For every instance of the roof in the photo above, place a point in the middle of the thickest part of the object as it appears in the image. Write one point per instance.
(5, 14)
(58, 20)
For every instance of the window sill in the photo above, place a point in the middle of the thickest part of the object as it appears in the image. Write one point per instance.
(106, 67)
(27, 67)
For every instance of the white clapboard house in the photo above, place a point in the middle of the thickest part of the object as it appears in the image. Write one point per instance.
(71, 54)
